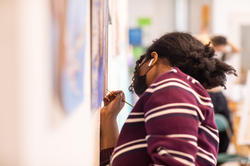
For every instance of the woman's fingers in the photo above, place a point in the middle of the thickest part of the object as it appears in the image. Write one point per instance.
(122, 96)
(119, 95)
(110, 97)
(106, 100)
(113, 103)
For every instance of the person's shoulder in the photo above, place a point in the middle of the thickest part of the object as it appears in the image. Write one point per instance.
(197, 86)
(193, 83)
(172, 78)
(172, 73)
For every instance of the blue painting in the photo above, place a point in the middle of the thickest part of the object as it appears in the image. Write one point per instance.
(69, 50)
(98, 51)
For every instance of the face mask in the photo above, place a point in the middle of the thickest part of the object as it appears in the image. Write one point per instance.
(140, 85)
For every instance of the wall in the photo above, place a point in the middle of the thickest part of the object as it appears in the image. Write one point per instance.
(228, 16)
(195, 10)
(161, 12)
(34, 129)
(9, 115)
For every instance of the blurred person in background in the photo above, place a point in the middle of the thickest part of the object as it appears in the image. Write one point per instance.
(173, 122)
(223, 51)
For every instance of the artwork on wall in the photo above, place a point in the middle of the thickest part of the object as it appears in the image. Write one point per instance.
(99, 45)
(68, 33)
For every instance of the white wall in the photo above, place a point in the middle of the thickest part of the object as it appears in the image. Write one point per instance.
(160, 11)
(195, 17)
(34, 129)
(9, 114)
(228, 16)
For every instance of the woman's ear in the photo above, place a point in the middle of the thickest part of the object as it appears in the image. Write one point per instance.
(155, 57)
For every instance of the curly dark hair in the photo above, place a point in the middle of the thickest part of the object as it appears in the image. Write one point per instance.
(192, 57)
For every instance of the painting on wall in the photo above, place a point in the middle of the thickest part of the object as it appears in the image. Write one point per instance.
(68, 33)
(99, 45)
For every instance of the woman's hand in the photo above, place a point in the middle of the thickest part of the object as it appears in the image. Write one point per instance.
(113, 103)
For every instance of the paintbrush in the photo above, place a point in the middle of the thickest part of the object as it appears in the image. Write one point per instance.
(122, 100)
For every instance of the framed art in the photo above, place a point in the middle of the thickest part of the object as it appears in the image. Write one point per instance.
(68, 32)
(99, 51)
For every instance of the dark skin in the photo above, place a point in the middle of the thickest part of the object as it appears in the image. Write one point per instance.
(114, 101)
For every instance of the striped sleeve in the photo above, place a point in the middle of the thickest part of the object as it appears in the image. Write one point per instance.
(171, 120)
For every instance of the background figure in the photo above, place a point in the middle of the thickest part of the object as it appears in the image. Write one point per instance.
(223, 51)
(223, 48)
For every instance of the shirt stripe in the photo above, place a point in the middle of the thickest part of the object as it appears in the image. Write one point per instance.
(210, 133)
(206, 158)
(165, 151)
(175, 105)
(208, 153)
(136, 113)
(168, 80)
(138, 146)
(170, 111)
(129, 143)
(198, 97)
(188, 163)
(182, 136)
(134, 120)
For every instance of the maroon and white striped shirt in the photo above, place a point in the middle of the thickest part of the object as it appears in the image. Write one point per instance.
(171, 124)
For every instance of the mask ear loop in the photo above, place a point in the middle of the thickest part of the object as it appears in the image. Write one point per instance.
(150, 63)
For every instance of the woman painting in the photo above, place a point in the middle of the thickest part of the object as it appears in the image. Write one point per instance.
(172, 123)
